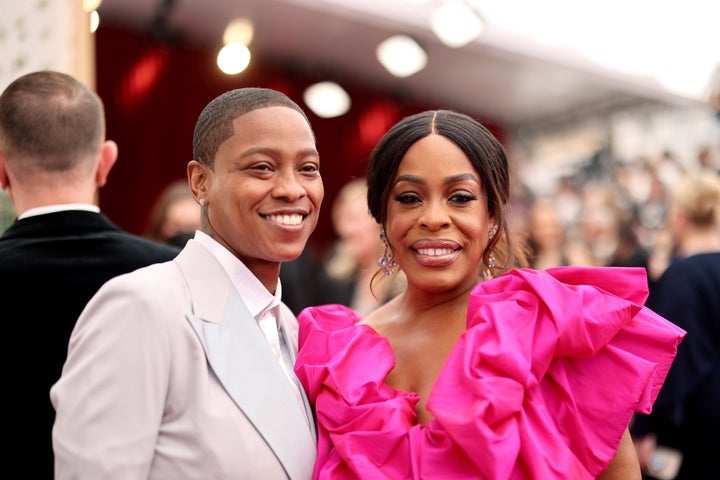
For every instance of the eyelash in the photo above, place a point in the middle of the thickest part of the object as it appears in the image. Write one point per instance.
(410, 198)
(406, 198)
(307, 168)
(310, 168)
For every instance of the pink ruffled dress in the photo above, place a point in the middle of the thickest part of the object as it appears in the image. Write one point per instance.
(541, 385)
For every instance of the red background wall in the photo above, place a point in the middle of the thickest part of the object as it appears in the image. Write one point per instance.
(153, 93)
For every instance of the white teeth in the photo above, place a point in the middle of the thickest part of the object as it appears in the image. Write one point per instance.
(294, 219)
(434, 252)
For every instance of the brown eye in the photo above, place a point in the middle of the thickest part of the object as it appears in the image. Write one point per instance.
(310, 168)
(407, 198)
(462, 198)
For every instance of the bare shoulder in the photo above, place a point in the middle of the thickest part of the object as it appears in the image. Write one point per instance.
(624, 465)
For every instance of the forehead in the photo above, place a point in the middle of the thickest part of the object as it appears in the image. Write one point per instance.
(276, 127)
(270, 119)
(435, 156)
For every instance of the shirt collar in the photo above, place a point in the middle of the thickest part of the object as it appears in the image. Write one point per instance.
(31, 212)
(257, 298)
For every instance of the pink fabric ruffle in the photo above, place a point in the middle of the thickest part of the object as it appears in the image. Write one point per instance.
(542, 384)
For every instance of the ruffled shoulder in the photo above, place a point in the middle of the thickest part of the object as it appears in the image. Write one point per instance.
(542, 384)
(326, 334)
(551, 368)
(361, 421)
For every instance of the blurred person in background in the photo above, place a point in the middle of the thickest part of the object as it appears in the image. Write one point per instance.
(594, 238)
(708, 159)
(686, 415)
(629, 252)
(61, 249)
(351, 270)
(175, 215)
(546, 236)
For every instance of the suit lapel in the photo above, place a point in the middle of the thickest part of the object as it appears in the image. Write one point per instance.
(241, 359)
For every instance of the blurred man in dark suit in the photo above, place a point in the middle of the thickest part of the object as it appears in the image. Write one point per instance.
(59, 251)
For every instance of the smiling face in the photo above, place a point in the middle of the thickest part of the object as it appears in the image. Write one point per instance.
(264, 191)
(437, 217)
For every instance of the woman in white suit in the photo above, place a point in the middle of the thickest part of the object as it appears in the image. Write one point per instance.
(183, 370)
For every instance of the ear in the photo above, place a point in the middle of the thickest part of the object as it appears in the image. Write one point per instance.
(4, 179)
(107, 158)
(198, 179)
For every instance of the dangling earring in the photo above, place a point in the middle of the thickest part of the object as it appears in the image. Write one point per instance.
(493, 231)
(491, 258)
(490, 266)
(387, 262)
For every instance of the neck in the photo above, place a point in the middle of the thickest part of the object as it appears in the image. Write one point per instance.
(700, 241)
(421, 301)
(25, 199)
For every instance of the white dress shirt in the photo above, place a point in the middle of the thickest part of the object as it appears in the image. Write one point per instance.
(31, 212)
(263, 305)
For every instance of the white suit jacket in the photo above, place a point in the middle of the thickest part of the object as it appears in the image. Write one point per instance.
(168, 376)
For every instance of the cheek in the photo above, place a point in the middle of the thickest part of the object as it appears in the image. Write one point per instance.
(474, 227)
(316, 193)
(397, 229)
(219, 190)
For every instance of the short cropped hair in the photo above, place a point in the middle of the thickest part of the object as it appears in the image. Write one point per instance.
(215, 123)
(698, 195)
(51, 121)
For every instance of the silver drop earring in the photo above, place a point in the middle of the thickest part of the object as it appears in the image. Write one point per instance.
(386, 262)
(493, 231)
(489, 274)
(491, 258)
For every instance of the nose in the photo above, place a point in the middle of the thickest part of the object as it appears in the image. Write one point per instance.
(289, 185)
(434, 216)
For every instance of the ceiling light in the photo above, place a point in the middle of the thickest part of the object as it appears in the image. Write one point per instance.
(456, 24)
(327, 99)
(91, 5)
(401, 56)
(233, 58)
(94, 21)
(240, 30)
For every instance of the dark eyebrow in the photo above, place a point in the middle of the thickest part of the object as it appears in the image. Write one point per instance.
(461, 177)
(411, 179)
(448, 180)
(266, 150)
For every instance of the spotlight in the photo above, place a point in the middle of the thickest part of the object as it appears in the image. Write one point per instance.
(401, 55)
(327, 99)
(240, 30)
(233, 58)
(456, 24)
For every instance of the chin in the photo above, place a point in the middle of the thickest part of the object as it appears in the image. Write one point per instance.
(288, 255)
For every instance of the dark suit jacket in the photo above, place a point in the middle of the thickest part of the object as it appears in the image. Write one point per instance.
(686, 414)
(50, 266)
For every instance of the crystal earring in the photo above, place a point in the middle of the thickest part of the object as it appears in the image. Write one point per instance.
(201, 202)
(493, 231)
(490, 266)
(386, 262)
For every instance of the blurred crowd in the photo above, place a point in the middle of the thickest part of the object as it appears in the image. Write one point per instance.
(611, 213)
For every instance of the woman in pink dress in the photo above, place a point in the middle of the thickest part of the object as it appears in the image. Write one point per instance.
(480, 368)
